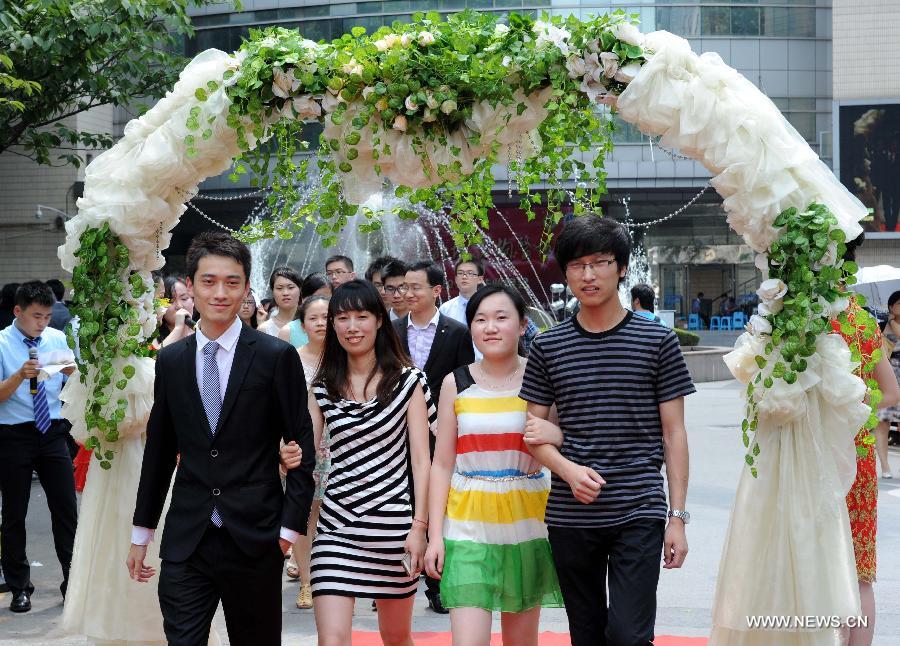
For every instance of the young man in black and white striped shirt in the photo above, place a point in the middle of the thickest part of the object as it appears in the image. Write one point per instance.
(618, 382)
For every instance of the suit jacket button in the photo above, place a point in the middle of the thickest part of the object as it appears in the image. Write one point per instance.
(214, 453)
(216, 492)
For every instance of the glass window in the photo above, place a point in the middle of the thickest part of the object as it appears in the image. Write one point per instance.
(343, 9)
(805, 123)
(775, 22)
(391, 6)
(745, 21)
(316, 30)
(507, 3)
(802, 22)
(453, 4)
(369, 7)
(479, 4)
(371, 23)
(682, 21)
(715, 21)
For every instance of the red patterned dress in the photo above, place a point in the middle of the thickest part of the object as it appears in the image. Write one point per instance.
(862, 501)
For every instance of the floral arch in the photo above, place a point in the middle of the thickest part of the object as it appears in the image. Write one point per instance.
(432, 106)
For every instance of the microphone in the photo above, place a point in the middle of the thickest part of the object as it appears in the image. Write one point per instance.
(32, 355)
(189, 322)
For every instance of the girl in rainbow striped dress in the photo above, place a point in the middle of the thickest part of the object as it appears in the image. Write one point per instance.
(487, 494)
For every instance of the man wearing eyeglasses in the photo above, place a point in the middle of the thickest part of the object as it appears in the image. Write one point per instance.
(469, 277)
(339, 270)
(618, 382)
(393, 275)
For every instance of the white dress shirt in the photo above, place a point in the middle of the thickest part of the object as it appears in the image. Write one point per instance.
(420, 339)
(224, 359)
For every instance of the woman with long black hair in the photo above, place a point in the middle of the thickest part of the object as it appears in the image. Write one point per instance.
(377, 409)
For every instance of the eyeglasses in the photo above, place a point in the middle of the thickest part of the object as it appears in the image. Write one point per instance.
(378, 286)
(467, 274)
(396, 289)
(598, 266)
(336, 272)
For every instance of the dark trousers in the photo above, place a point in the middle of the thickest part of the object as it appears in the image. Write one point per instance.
(250, 591)
(23, 449)
(627, 558)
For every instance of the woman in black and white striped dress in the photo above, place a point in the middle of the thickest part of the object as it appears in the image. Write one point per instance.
(378, 411)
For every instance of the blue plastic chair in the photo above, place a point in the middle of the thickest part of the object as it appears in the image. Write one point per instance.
(738, 320)
(694, 322)
(715, 323)
(725, 323)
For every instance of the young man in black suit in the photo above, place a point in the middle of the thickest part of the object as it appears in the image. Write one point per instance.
(438, 345)
(224, 397)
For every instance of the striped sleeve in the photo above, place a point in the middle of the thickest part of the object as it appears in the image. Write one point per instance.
(537, 387)
(429, 400)
(672, 378)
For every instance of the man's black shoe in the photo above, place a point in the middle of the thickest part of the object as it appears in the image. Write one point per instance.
(21, 602)
(434, 602)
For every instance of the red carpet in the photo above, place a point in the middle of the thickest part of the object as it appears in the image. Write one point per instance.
(546, 639)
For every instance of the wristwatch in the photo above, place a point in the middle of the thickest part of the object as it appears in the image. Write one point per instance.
(678, 513)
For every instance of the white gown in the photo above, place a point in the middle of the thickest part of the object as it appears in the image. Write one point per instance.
(788, 551)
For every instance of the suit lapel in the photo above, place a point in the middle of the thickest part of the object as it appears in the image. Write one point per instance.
(404, 337)
(243, 356)
(189, 363)
(440, 335)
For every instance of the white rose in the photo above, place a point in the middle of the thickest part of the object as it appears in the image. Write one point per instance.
(500, 29)
(771, 308)
(382, 45)
(829, 259)
(305, 107)
(576, 67)
(448, 106)
(400, 123)
(771, 290)
(759, 325)
(628, 33)
(426, 38)
(593, 67)
(367, 91)
(610, 62)
(833, 310)
(506, 61)
(430, 101)
(392, 40)
(284, 83)
(742, 360)
(406, 40)
(592, 89)
(410, 104)
(626, 74)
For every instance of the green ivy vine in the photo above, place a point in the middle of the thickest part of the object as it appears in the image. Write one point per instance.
(108, 329)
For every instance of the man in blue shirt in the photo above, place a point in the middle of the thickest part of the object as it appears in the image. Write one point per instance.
(642, 297)
(32, 438)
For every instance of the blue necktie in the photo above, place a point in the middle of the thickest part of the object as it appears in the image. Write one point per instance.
(210, 392)
(41, 407)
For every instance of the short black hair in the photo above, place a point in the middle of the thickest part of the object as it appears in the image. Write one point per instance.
(852, 246)
(479, 264)
(892, 299)
(644, 295)
(588, 234)
(489, 290)
(377, 265)
(8, 295)
(169, 283)
(339, 258)
(34, 292)
(57, 287)
(393, 270)
(699, 294)
(432, 271)
(285, 272)
(217, 243)
(313, 283)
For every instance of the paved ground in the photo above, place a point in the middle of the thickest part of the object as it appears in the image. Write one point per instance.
(685, 596)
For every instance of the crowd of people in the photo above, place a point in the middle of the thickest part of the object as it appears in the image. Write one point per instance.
(452, 443)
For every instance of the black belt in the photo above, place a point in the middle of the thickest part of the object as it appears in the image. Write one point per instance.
(28, 425)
